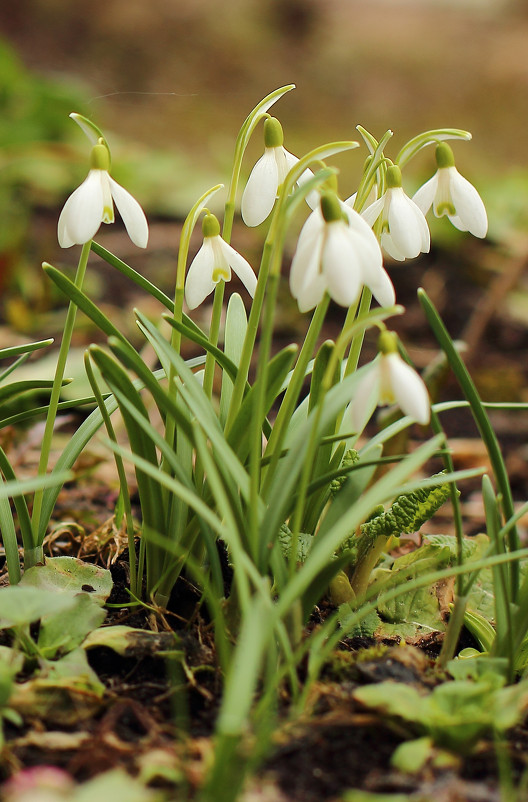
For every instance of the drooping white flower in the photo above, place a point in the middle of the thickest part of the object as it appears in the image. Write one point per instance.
(213, 263)
(449, 193)
(337, 253)
(267, 176)
(92, 203)
(390, 380)
(404, 229)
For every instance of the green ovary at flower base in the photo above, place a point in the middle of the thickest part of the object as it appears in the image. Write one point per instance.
(213, 263)
(404, 230)
(338, 253)
(92, 203)
(449, 193)
(390, 381)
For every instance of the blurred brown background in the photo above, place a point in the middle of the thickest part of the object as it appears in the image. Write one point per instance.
(170, 82)
(183, 74)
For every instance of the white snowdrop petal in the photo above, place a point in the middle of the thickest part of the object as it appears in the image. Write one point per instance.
(311, 292)
(404, 224)
(365, 399)
(83, 211)
(425, 196)
(387, 243)
(381, 287)
(341, 265)
(367, 244)
(311, 230)
(290, 161)
(361, 226)
(457, 222)
(372, 212)
(261, 190)
(468, 204)
(65, 240)
(132, 214)
(305, 264)
(408, 388)
(199, 281)
(240, 266)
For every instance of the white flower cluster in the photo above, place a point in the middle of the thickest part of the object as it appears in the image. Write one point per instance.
(339, 250)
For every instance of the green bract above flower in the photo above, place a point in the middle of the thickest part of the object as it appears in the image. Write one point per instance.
(93, 203)
(449, 193)
(337, 253)
(267, 176)
(213, 263)
(404, 229)
(390, 381)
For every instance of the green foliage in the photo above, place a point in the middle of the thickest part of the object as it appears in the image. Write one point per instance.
(455, 714)
(350, 458)
(408, 512)
(262, 495)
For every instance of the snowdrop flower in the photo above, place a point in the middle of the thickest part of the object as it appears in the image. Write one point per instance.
(390, 381)
(267, 176)
(451, 194)
(404, 230)
(213, 263)
(337, 253)
(93, 203)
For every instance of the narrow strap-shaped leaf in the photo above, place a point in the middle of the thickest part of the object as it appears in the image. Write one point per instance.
(24, 518)
(483, 422)
(200, 339)
(24, 387)
(9, 540)
(81, 300)
(27, 348)
(279, 366)
(235, 331)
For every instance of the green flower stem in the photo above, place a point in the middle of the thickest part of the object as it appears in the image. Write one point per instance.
(134, 587)
(291, 396)
(250, 337)
(179, 296)
(258, 409)
(38, 533)
(486, 430)
(366, 563)
(214, 330)
(357, 342)
(456, 620)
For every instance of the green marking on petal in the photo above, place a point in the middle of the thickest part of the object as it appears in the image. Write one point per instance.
(108, 214)
(220, 273)
(445, 208)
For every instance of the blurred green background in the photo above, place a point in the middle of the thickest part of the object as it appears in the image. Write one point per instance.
(170, 82)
